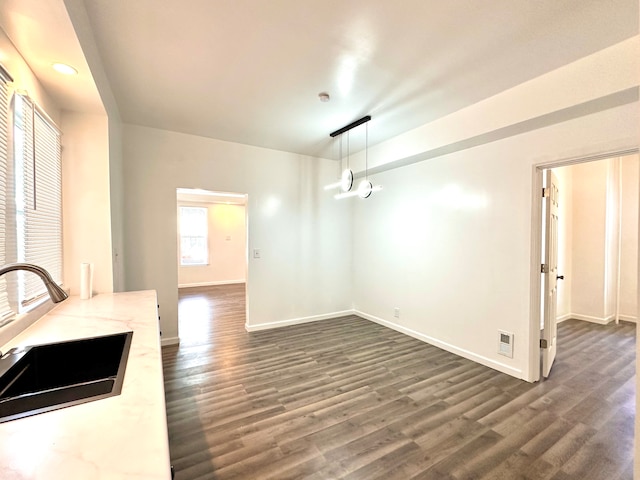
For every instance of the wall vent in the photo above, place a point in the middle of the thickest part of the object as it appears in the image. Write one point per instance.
(505, 343)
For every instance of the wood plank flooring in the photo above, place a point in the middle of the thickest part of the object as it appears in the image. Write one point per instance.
(350, 399)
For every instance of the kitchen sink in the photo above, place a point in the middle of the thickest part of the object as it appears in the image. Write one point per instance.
(41, 378)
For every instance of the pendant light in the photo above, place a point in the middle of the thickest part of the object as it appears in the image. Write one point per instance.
(346, 179)
(366, 187)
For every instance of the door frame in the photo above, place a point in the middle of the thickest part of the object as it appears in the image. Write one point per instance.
(246, 248)
(535, 367)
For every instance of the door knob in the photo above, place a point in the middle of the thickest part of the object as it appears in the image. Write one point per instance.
(559, 277)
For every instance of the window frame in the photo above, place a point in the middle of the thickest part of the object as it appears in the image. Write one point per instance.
(37, 195)
(204, 260)
(7, 303)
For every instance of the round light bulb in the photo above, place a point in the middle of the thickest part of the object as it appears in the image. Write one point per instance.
(346, 181)
(365, 189)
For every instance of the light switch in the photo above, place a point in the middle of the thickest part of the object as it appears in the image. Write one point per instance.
(256, 253)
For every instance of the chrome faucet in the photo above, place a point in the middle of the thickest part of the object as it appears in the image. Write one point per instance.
(55, 292)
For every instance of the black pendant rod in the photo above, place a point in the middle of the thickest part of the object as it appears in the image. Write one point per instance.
(346, 128)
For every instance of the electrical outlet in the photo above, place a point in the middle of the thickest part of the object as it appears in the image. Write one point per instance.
(396, 312)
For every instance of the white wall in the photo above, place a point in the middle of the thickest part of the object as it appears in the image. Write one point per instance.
(82, 27)
(612, 237)
(589, 240)
(117, 207)
(605, 195)
(458, 266)
(629, 248)
(226, 244)
(565, 240)
(86, 200)
(303, 233)
(459, 274)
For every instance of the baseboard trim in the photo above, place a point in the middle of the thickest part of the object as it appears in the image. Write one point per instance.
(592, 319)
(169, 341)
(297, 321)
(501, 367)
(598, 320)
(210, 284)
(564, 317)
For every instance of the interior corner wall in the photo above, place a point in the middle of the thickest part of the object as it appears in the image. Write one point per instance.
(448, 240)
(629, 242)
(299, 228)
(565, 240)
(612, 238)
(116, 191)
(86, 200)
(226, 247)
(589, 240)
(606, 196)
(77, 12)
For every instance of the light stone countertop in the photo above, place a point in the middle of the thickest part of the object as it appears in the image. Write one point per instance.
(121, 437)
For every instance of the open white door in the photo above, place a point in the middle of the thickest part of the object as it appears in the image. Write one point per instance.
(550, 272)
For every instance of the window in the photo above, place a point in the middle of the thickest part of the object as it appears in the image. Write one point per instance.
(38, 197)
(6, 312)
(30, 199)
(193, 236)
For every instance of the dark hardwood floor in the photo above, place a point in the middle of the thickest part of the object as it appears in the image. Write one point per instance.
(348, 398)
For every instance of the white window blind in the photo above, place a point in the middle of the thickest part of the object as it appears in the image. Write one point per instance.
(6, 313)
(38, 198)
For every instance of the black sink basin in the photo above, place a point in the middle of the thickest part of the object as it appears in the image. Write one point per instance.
(41, 378)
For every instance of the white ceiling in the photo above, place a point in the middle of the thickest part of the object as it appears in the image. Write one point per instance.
(250, 71)
(43, 34)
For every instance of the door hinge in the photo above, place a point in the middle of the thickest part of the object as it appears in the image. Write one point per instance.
(545, 192)
(544, 268)
(543, 343)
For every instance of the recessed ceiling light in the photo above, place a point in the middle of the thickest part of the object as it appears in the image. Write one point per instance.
(324, 97)
(64, 69)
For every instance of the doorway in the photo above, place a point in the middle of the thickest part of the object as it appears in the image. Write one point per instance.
(597, 244)
(212, 239)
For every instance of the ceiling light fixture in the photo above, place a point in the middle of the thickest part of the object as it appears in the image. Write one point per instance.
(346, 179)
(366, 188)
(64, 69)
(324, 97)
